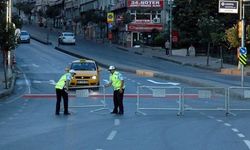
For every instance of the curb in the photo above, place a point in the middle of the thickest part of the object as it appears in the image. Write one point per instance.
(41, 41)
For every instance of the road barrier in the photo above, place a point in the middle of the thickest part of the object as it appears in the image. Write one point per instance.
(158, 98)
(87, 98)
(238, 99)
(204, 98)
(176, 98)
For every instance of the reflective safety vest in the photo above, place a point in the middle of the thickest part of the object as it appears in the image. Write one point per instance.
(62, 81)
(116, 80)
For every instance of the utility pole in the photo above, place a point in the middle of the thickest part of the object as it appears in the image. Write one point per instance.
(170, 25)
(242, 19)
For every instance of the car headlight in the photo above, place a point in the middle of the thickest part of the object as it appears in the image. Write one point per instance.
(94, 77)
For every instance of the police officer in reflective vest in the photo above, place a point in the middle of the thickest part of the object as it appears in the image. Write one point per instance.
(62, 87)
(117, 81)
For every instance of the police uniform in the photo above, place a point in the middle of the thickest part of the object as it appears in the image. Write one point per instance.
(61, 88)
(116, 80)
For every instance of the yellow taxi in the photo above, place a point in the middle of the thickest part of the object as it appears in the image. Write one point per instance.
(87, 73)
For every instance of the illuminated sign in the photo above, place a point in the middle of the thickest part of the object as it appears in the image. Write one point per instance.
(110, 17)
(146, 3)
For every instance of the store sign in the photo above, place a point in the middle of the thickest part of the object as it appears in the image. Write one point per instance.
(146, 3)
(144, 27)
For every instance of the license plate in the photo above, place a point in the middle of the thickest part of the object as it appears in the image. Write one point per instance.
(82, 82)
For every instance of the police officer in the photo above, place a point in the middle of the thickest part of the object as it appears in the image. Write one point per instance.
(117, 81)
(62, 87)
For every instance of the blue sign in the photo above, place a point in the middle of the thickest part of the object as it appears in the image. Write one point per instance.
(243, 50)
(110, 25)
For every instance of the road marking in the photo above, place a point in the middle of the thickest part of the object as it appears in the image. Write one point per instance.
(52, 82)
(106, 81)
(241, 135)
(247, 142)
(227, 124)
(155, 82)
(35, 65)
(235, 130)
(27, 83)
(111, 135)
(117, 122)
(219, 120)
(210, 117)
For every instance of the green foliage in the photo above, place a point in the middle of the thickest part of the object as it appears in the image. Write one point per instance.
(52, 12)
(26, 8)
(159, 40)
(199, 21)
(127, 18)
(232, 37)
(7, 37)
(210, 30)
(248, 33)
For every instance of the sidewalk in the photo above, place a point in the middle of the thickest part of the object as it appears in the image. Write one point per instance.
(10, 75)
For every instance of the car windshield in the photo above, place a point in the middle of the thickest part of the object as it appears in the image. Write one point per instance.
(24, 33)
(68, 34)
(84, 66)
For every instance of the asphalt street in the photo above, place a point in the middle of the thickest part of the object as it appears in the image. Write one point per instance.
(29, 112)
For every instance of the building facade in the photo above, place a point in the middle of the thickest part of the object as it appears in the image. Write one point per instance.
(136, 21)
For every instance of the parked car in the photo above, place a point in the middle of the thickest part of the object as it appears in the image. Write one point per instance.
(24, 37)
(87, 73)
(67, 38)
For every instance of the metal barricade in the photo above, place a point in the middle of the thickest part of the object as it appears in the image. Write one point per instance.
(90, 97)
(204, 98)
(238, 99)
(158, 98)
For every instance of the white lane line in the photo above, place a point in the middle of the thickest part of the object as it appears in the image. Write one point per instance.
(235, 130)
(99, 149)
(247, 142)
(117, 122)
(27, 83)
(210, 117)
(227, 124)
(219, 120)
(111, 135)
(170, 83)
(241, 135)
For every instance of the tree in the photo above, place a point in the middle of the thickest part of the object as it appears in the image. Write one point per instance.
(7, 37)
(188, 17)
(232, 37)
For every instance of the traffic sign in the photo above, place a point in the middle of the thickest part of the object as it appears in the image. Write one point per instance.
(110, 17)
(228, 6)
(243, 59)
(243, 50)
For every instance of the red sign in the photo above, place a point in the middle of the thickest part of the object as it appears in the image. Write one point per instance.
(144, 27)
(146, 3)
(175, 36)
(110, 36)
